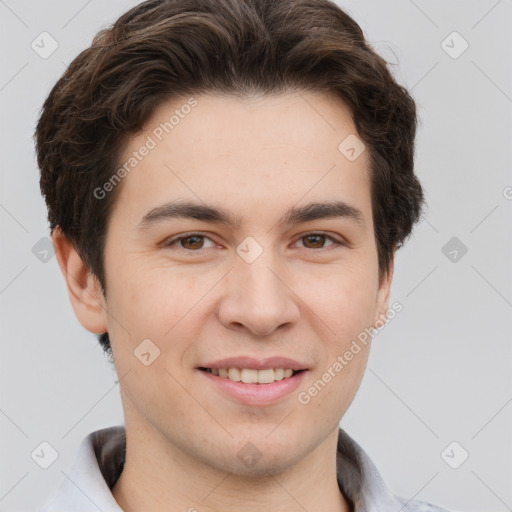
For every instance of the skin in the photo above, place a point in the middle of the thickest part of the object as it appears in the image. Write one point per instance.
(199, 301)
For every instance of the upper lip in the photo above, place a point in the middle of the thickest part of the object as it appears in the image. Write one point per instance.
(255, 364)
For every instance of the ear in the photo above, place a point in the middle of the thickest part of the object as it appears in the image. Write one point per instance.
(383, 293)
(84, 289)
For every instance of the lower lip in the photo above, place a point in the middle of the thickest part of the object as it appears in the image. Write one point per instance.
(256, 394)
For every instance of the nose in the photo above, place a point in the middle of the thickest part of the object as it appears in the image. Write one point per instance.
(258, 297)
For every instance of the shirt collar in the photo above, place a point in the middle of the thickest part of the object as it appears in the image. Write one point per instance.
(100, 457)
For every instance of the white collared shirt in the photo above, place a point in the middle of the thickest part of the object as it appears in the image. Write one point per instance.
(99, 461)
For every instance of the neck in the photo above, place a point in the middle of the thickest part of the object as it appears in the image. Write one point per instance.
(159, 476)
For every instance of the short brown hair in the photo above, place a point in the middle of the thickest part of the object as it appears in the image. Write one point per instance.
(165, 48)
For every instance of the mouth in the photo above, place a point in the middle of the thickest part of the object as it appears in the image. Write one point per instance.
(254, 387)
(251, 375)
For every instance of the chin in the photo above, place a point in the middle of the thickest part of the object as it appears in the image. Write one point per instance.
(254, 463)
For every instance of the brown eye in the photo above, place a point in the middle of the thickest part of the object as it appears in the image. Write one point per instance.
(317, 241)
(192, 242)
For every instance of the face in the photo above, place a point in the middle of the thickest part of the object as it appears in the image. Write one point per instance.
(249, 276)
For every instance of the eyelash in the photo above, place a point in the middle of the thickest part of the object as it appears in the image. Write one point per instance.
(175, 241)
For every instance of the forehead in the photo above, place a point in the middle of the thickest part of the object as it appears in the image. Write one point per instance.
(244, 152)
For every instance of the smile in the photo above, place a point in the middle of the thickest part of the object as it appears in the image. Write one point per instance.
(254, 387)
(252, 376)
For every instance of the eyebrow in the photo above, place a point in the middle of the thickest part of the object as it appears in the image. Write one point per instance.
(215, 215)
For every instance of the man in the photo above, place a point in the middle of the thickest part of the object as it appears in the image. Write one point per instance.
(227, 182)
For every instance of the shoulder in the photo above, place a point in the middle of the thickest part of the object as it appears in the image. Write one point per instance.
(419, 506)
(361, 482)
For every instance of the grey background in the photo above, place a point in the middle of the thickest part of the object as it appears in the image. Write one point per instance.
(439, 372)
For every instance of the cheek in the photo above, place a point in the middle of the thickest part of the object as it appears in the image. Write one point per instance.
(343, 305)
(168, 307)
(342, 382)
(153, 301)
(342, 296)
(152, 312)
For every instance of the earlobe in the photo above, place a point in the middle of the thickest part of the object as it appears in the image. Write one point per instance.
(83, 287)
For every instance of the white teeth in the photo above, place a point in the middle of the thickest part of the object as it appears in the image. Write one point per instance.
(266, 376)
(251, 376)
(234, 374)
